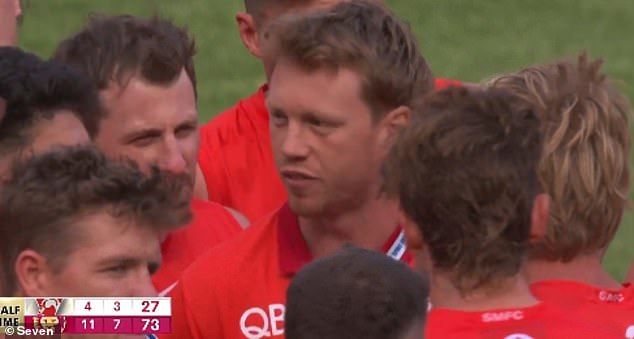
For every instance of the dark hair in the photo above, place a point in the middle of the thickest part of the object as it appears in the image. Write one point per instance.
(34, 90)
(363, 36)
(117, 48)
(465, 171)
(355, 293)
(43, 203)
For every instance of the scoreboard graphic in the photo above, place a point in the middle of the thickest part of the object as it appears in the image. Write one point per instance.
(88, 315)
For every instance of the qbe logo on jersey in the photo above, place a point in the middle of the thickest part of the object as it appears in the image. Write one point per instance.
(258, 323)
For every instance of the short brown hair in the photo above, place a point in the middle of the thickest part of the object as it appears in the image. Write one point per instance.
(465, 172)
(355, 293)
(585, 165)
(49, 194)
(363, 36)
(116, 48)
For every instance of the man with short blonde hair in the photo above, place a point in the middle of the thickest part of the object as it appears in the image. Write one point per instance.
(342, 88)
(236, 165)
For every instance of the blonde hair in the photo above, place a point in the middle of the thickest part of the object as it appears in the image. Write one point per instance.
(585, 164)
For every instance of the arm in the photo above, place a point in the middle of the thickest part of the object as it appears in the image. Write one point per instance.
(630, 274)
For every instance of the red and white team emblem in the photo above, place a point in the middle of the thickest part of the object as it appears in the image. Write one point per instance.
(47, 314)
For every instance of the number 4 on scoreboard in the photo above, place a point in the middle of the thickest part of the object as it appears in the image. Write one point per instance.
(88, 307)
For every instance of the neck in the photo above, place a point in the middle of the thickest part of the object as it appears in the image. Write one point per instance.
(511, 292)
(586, 269)
(368, 227)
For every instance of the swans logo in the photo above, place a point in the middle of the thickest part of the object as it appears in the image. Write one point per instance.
(258, 323)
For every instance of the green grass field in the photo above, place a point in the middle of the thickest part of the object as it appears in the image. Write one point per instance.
(462, 39)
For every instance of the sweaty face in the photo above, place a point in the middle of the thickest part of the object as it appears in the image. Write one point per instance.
(111, 258)
(324, 140)
(152, 124)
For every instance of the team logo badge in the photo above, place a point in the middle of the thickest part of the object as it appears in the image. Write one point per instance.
(47, 317)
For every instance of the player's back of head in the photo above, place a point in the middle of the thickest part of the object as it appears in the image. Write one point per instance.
(363, 36)
(37, 91)
(49, 196)
(113, 49)
(464, 171)
(585, 165)
(356, 293)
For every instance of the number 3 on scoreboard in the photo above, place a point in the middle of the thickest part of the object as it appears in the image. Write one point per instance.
(153, 324)
(117, 306)
(146, 305)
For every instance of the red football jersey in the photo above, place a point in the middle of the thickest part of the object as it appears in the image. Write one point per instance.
(212, 224)
(614, 309)
(238, 289)
(542, 321)
(236, 157)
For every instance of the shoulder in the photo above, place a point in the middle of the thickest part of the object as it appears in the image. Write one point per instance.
(236, 123)
(225, 261)
(215, 218)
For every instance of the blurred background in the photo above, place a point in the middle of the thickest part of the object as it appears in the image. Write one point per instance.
(461, 39)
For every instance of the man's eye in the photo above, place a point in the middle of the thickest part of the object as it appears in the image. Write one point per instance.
(144, 141)
(317, 122)
(279, 117)
(185, 131)
(119, 269)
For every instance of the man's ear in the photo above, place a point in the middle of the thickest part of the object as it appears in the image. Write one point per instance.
(393, 123)
(33, 273)
(249, 34)
(539, 217)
